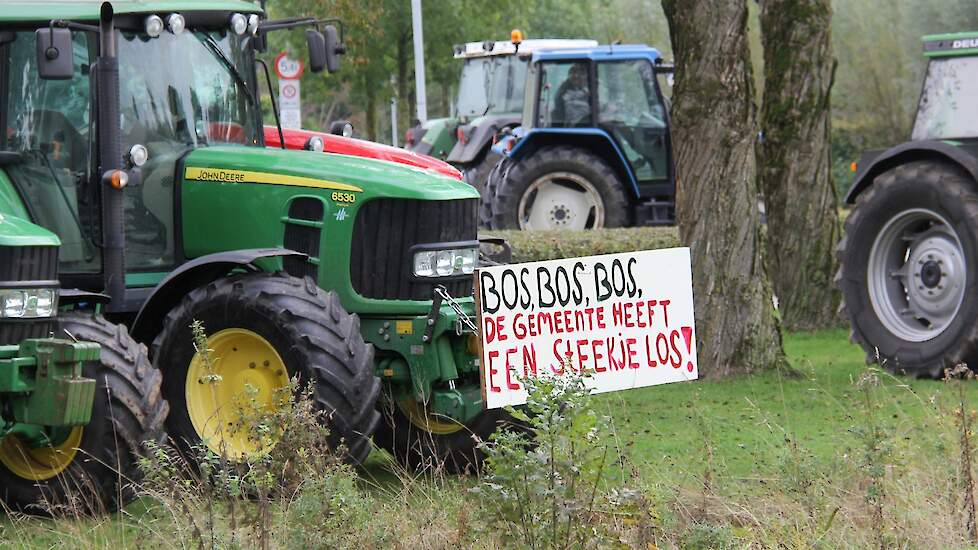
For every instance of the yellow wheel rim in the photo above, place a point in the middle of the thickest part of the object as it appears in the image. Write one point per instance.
(429, 422)
(246, 379)
(39, 463)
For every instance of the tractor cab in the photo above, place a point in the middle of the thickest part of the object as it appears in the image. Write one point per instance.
(602, 103)
(946, 109)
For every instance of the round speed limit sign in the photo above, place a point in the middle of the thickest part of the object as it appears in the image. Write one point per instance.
(288, 69)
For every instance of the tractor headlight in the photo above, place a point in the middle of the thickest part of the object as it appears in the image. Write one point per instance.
(176, 23)
(154, 25)
(315, 143)
(445, 263)
(239, 23)
(253, 22)
(30, 303)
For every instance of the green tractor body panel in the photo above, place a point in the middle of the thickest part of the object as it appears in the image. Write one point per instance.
(437, 137)
(10, 203)
(953, 44)
(15, 231)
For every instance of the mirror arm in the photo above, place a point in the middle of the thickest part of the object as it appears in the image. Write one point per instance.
(291, 23)
(271, 96)
(61, 23)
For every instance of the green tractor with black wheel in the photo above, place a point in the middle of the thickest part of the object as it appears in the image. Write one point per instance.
(909, 257)
(350, 275)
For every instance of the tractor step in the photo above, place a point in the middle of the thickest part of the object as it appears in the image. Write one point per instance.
(655, 212)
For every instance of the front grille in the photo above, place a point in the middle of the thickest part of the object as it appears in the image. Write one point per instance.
(28, 263)
(383, 234)
(21, 264)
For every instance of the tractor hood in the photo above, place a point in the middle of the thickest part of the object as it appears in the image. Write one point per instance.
(374, 178)
(297, 139)
(16, 231)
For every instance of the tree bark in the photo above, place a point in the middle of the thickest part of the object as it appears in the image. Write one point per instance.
(795, 162)
(714, 131)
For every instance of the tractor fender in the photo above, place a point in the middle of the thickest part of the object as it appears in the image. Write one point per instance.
(595, 140)
(874, 163)
(478, 137)
(191, 275)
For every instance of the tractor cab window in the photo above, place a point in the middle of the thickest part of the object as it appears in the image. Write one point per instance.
(565, 95)
(48, 124)
(178, 92)
(631, 109)
(947, 107)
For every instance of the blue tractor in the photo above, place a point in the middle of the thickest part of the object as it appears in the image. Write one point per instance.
(594, 147)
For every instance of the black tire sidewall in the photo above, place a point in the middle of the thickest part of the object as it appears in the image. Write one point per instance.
(889, 200)
(521, 174)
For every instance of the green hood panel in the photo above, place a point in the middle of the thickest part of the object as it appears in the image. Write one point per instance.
(15, 231)
(342, 173)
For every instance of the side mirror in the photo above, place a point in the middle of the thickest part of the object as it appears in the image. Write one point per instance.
(55, 58)
(318, 55)
(334, 49)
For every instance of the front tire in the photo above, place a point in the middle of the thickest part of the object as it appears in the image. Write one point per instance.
(258, 325)
(558, 188)
(94, 467)
(908, 263)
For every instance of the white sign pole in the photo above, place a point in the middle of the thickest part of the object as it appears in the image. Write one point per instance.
(622, 320)
(419, 84)
(394, 121)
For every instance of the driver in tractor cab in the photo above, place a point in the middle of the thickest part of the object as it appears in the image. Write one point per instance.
(573, 103)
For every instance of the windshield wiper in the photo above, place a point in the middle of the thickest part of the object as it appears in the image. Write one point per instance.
(215, 49)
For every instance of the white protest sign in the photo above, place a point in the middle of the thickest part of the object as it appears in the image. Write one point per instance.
(289, 90)
(625, 320)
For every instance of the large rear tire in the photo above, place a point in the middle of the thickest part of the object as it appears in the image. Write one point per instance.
(257, 324)
(558, 188)
(909, 260)
(94, 467)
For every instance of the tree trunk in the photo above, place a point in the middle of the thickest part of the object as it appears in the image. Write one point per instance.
(714, 135)
(795, 163)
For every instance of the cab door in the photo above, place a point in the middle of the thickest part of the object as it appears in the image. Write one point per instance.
(630, 107)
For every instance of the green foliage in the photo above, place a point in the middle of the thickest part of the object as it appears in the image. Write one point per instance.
(540, 489)
(531, 246)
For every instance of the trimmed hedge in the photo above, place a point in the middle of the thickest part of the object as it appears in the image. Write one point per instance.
(531, 246)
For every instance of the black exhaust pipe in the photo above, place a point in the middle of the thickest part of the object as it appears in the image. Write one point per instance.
(110, 159)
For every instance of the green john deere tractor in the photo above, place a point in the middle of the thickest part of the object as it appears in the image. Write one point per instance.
(910, 252)
(132, 136)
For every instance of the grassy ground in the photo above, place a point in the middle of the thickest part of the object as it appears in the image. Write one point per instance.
(788, 451)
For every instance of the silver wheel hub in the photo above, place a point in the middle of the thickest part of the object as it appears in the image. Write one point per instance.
(916, 275)
(561, 200)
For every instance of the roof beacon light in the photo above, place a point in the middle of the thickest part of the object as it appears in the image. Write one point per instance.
(176, 23)
(516, 36)
(239, 23)
(154, 25)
